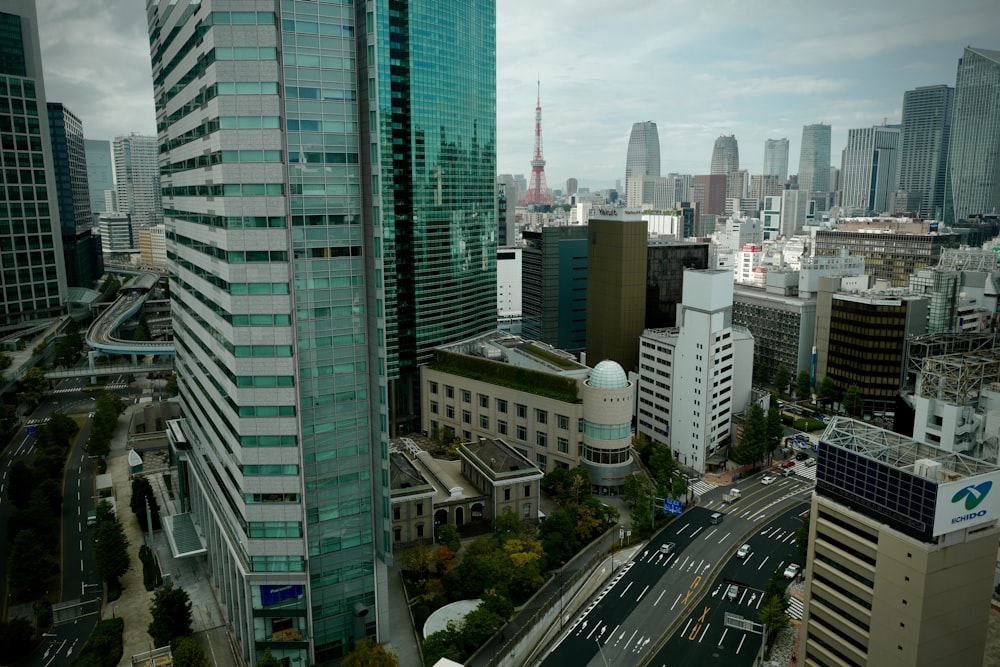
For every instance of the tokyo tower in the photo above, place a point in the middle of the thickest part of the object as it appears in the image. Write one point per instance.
(538, 190)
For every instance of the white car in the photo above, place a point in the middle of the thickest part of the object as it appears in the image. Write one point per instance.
(743, 551)
(767, 480)
(792, 571)
(667, 548)
(732, 592)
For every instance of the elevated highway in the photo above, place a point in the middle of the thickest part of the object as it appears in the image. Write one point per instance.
(100, 335)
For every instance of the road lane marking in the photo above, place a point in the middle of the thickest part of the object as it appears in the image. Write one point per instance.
(642, 593)
(679, 596)
(626, 589)
(683, 528)
(705, 632)
(698, 530)
(724, 538)
(722, 638)
(742, 639)
(662, 593)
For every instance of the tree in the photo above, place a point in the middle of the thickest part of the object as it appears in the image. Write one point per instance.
(142, 329)
(802, 538)
(853, 401)
(567, 487)
(188, 653)
(143, 496)
(171, 387)
(111, 558)
(368, 653)
(754, 443)
(447, 535)
(22, 482)
(782, 376)
(588, 522)
(636, 489)
(803, 385)
(268, 660)
(59, 431)
(30, 564)
(662, 466)
(775, 429)
(171, 612)
(110, 285)
(826, 391)
(762, 374)
(558, 536)
(773, 616)
(33, 387)
(70, 345)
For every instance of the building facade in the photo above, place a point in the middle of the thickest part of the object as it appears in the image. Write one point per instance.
(783, 326)
(709, 192)
(776, 158)
(137, 178)
(923, 147)
(554, 286)
(898, 563)
(870, 168)
(100, 175)
(330, 206)
(814, 159)
(725, 155)
(33, 275)
(974, 164)
(889, 255)
(641, 161)
(665, 268)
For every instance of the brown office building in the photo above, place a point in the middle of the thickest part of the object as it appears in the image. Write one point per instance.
(902, 547)
(710, 192)
(616, 285)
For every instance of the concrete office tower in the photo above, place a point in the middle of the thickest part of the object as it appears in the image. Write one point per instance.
(923, 147)
(572, 185)
(100, 174)
(974, 164)
(692, 379)
(737, 184)
(616, 285)
(81, 250)
(506, 215)
(902, 550)
(870, 168)
(137, 177)
(725, 155)
(641, 161)
(814, 158)
(509, 292)
(554, 286)
(117, 234)
(709, 191)
(29, 222)
(369, 212)
(776, 158)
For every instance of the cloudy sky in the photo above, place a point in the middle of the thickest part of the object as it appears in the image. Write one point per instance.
(758, 69)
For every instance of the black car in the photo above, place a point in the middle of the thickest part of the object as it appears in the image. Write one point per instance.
(801, 456)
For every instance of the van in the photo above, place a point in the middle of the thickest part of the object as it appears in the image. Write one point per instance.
(811, 462)
(716, 518)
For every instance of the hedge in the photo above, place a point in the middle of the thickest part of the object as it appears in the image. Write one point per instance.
(507, 375)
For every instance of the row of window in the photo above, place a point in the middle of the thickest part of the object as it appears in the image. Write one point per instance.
(541, 416)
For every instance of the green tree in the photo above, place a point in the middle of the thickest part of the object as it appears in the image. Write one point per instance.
(16, 638)
(803, 385)
(58, 431)
(754, 443)
(22, 482)
(558, 536)
(853, 401)
(111, 558)
(9, 423)
(105, 511)
(567, 487)
(110, 285)
(802, 538)
(268, 660)
(636, 489)
(662, 466)
(826, 391)
(775, 429)
(762, 374)
(447, 535)
(369, 653)
(773, 616)
(30, 565)
(70, 345)
(782, 376)
(143, 496)
(142, 329)
(34, 386)
(171, 612)
(171, 387)
(188, 653)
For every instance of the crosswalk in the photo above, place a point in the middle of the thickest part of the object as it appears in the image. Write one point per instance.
(69, 390)
(802, 471)
(795, 608)
(702, 487)
(36, 422)
(116, 385)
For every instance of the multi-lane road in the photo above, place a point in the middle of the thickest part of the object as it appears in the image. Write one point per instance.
(647, 611)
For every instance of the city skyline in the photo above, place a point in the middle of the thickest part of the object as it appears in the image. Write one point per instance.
(814, 67)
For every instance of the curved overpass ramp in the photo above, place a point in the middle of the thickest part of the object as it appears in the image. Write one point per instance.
(100, 335)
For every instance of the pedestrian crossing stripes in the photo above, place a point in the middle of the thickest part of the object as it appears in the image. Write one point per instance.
(803, 471)
(33, 422)
(70, 390)
(795, 608)
(701, 487)
(117, 385)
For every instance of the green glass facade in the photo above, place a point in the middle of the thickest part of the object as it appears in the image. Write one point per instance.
(328, 185)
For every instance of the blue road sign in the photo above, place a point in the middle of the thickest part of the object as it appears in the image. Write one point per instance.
(671, 506)
(31, 430)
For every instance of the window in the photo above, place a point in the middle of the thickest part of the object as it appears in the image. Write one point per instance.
(562, 445)
(484, 422)
(522, 433)
(433, 387)
(397, 534)
(522, 411)
(501, 427)
(434, 407)
(420, 530)
(501, 406)
(541, 416)
(449, 411)
(396, 514)
(420, 509)
(563, 422)
(527, 510)
(466, 417)
(541, 439)
(467, 436)
(541, 460)
(449, 391)
(484, 401)
(466, 396)
(506, 493)
(527, 490)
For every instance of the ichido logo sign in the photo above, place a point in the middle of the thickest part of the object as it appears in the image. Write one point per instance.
(971, 496)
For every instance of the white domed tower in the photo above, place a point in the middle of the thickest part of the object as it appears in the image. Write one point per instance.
(607, 428)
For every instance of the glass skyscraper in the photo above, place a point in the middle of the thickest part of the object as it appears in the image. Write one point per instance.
(776, 158)
(328, 188)
(975, 134)
(814, 159)
(642, 160)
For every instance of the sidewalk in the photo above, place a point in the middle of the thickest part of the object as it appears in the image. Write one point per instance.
(208, 621)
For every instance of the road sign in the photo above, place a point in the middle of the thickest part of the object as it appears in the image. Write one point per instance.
(31, 430)
(671, 506)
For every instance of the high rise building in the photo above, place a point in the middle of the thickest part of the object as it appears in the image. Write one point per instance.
(814, 158)
(641, 161)
(350, 181)
(776, 158)
(100, 174)
(974, 164)
(709, 190)
(870, 168)
(137, 177)
(32, 274)
(81, 250)
(725, 155)
(923, 147)
(554, 286)
(902, 550)
(572, 185)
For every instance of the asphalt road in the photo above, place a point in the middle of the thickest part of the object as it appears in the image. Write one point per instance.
(705, 637)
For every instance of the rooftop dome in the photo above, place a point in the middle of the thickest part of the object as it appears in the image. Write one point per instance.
(608, 375)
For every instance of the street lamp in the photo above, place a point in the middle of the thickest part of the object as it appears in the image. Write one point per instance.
(601, 651)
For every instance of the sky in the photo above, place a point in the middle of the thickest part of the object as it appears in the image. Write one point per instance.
(760, 69)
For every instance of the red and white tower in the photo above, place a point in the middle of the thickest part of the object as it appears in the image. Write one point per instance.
(538, 190)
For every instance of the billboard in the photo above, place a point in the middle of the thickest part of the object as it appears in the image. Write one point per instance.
(973, 501)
